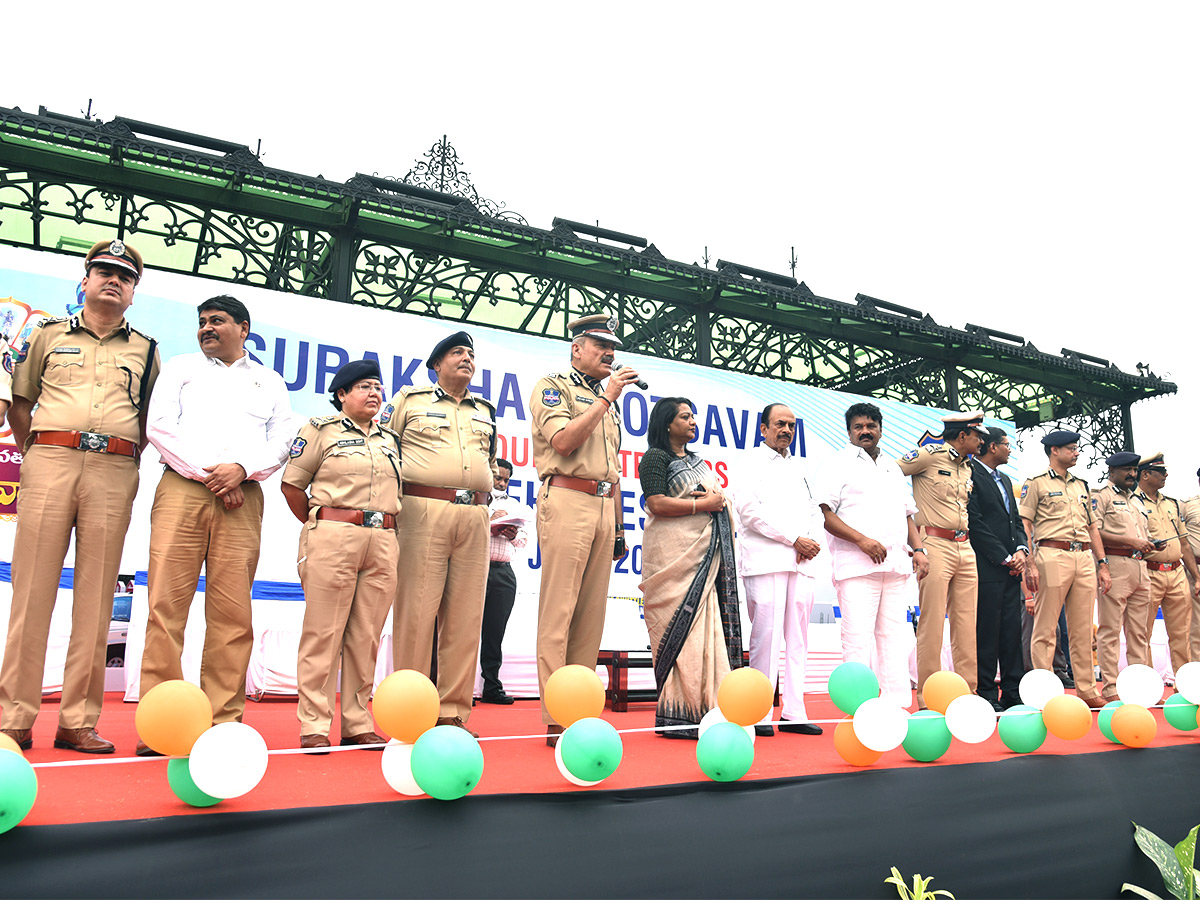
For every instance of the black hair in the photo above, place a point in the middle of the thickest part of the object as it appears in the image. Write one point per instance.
(870, 410)
(994, 436)
(504, 464)
(765, 418)
(661, 417)
(227, 304)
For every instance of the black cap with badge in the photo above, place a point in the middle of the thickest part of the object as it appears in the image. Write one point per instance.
(1122, 459)
(349, 375)
(458, 339)
(1060, 438)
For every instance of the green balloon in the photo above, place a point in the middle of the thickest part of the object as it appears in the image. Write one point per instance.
(725, 752)
(928, 737)
(446, 762)
(591, 749)
(1180, 713)
(179, 777)
(18, 789)
(851, 684)
(1104, 719)
(1022, 729)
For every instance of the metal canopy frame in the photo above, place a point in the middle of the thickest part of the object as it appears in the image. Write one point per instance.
(431, 245)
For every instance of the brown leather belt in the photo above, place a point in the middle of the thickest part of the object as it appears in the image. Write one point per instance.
(87, 440)
(368, 518)
(1066, 545)
(948, 534)
(1124, 551)
(1164, 567)
(450, 495)
(583, 485)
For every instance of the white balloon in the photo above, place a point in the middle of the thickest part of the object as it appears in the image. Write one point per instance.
(1141, 685)
(972, 719)
(566, 773)
(397, 768)
(880, 724)
(712, 717)
(1038, 686)
(228, 760)
(1187, 682)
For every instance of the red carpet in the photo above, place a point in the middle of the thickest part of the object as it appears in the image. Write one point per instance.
(76, 788)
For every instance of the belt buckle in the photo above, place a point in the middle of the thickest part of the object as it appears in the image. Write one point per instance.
(89, 440)
(960, 536)
(1076, 545)
(464, 498)
(372, 518)
(1137, 554)
(604, 488)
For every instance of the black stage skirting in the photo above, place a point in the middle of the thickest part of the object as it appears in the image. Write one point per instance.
(1035, 826)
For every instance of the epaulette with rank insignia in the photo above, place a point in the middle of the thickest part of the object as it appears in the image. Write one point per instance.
(321, 421)
(143, 334)
(417, 389)
(52, 320)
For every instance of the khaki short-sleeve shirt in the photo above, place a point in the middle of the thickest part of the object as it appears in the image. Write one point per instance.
(558, 398)
(446, 443)
(345, 467)
(83, 382)
(1165, 522)
(6, 370)
(941, 480)
(1059, 508)
(1190, 510)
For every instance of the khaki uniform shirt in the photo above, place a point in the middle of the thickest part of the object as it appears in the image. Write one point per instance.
(346, 468)
(83, 382)
(1190, 510)
(1118, 512)
(1165, 521)
(445, 443)
(6, 370)
(1059, 508)
(557, 399)
(941, 480)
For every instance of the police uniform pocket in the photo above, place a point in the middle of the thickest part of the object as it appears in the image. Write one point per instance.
(432, 431)
(348, 462)
(64, 370)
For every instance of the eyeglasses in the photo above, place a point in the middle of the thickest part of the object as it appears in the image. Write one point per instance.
(368, 387)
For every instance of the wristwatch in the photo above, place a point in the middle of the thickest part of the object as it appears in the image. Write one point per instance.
(920, 550)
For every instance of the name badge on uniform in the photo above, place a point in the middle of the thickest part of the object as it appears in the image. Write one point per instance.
(944, 472)
(351, 442)
(434, 415)
(484, 419)
(1115, 503)
(585, 399)
(1055, 494)
(551, 397)
(67, 350)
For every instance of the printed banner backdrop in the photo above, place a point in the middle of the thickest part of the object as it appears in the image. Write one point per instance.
(306, 340)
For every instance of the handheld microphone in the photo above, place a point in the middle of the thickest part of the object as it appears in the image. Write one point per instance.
(640, 383)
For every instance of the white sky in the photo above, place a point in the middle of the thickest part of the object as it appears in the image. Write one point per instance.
(1031, 167)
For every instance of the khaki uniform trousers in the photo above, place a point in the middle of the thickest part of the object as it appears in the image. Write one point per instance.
(442, 575)
(349, 577)
(61, 489)
(1066, 578)
(576, 533)
(952, 586)
(1195, 642)
(1126, 606)
(189, 528)
(1169, 590)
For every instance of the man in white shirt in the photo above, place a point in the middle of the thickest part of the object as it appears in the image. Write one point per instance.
(501, 591)
(876, 548)
(778, 537)
(222, 424)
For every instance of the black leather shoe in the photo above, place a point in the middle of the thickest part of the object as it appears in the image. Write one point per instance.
(799, 727)
(1066, 679)
(500, 698)
(764, 731)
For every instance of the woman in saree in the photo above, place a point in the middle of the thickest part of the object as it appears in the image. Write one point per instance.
(689, 580)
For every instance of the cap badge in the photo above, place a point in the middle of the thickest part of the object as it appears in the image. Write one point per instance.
(116, 248)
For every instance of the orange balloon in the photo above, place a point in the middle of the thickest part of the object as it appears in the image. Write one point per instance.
(7, 743)
(171, 715)
(1067, 716)
(745, 696)
(941, 688)
(850, 748)
(572, 693)
(406, 705)
(1133, 725)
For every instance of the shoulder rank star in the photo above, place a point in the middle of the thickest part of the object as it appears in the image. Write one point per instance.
(551, 397)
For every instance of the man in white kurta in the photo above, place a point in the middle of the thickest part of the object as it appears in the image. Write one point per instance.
(778, 537)
(876, 548)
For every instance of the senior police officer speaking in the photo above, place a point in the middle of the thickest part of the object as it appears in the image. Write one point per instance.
(576, 441)
(90, 376)
(448, 442)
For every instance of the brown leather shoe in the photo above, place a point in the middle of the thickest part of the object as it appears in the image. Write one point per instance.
(1095, 702)
(457, 722)
(368, 738)
(81, 740)
(23, 736)
(552, 733)
(144, 749)
(314, 742)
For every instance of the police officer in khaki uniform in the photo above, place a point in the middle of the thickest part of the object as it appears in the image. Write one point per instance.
(1172, 553)
(448, 441)
(1126, 539)
(90, 376)
(348, 552)
(1057, 512)
(1190, 510)
(941, 480)
(576, 441)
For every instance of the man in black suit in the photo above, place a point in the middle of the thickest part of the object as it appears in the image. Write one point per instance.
(998, 538)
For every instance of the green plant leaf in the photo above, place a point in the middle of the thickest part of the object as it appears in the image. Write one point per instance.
(1141, 892)
(898, 880)
(1162, 855)
(1185, 854)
